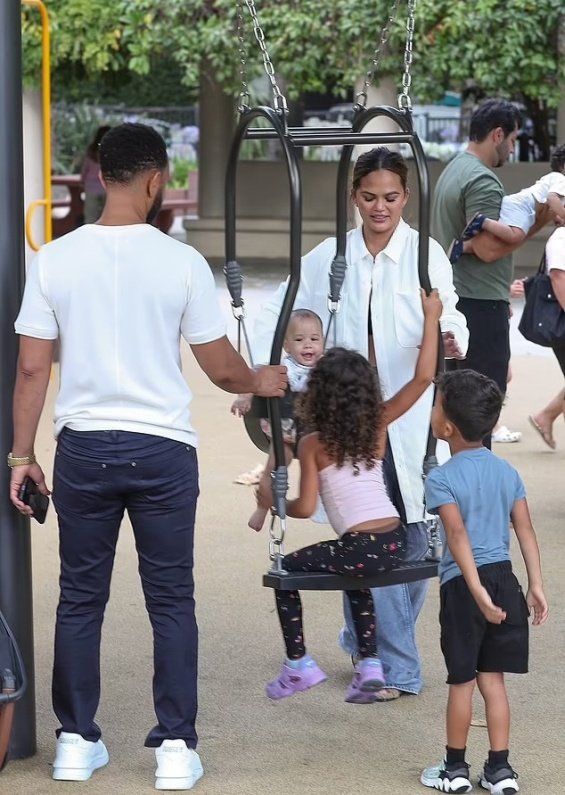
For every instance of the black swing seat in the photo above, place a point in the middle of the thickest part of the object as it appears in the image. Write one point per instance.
(259, 411)
(410, 571)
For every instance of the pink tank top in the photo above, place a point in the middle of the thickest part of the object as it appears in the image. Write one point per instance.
(352, 496)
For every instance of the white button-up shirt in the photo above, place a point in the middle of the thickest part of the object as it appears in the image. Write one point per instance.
(389, 283)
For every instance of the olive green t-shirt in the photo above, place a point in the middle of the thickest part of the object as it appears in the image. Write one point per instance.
(466, 187)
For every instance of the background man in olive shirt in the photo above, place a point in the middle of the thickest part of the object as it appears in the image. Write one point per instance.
(468, 185)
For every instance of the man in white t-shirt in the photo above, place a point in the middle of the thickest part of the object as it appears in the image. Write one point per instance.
(117, 296)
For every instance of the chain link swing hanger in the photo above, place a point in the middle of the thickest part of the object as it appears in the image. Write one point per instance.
(279, 101)
(404, 101)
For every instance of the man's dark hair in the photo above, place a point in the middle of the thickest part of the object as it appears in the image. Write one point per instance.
(130, 149)
(558, 159)
(471, 401)
(491, 114)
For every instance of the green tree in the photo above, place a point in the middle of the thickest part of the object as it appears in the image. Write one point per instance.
(314, 45)
(508, 48)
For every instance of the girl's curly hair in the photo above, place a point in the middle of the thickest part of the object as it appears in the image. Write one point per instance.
(343, 403)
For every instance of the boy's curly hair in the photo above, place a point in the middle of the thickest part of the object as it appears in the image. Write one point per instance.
(343, 403)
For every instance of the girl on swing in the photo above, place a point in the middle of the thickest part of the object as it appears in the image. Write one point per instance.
(346, 419)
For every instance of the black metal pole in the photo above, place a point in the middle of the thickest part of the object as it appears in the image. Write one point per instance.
(15, 545)
(333, 137)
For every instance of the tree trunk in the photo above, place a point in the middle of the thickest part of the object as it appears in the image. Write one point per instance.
(217, 123)
(561, 61)
(538, 113)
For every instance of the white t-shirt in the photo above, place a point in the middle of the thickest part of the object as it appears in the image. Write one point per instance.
(118, 299)
(298, 374)
(555, 250)
(554, 182)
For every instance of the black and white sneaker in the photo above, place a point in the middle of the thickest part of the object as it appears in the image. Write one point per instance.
(455, 251)
(500, 781)
(447, 779)
(474, 226)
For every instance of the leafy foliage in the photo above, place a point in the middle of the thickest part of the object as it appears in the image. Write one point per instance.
(506, 47)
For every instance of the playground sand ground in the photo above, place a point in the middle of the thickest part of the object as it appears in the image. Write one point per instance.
(314, 743)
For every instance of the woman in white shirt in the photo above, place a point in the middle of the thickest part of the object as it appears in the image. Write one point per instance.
(381, 316)
(555, 260)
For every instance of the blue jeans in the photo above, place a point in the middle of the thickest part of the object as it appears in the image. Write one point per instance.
(99, 475)
(396, 608)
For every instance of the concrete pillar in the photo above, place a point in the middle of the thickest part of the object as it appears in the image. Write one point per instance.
(217, 121)
(33, 163)
(384, 93)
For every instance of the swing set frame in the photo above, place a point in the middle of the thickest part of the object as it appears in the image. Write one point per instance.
(291, 139)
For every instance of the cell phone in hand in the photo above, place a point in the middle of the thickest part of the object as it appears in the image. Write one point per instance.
(38, 502)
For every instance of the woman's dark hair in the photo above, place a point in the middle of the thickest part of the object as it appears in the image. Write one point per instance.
(131, 149)
(558, 159)
(490, 114)
(471, 401)
(93, 147)
(343, 403)
(380, 159)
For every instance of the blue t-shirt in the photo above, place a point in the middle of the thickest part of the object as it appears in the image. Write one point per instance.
(485, 489)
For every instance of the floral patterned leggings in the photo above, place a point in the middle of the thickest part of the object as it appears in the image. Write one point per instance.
(354, 555)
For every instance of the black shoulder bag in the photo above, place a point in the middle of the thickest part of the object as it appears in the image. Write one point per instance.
(543, 319)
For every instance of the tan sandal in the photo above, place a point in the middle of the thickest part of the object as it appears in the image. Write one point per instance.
(387, 694)
(545, 435)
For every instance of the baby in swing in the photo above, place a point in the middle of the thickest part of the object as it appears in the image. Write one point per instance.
(345, 418)
(303, 345)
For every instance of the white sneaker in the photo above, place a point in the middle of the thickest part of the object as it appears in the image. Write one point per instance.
(506, 436)
(178, 767)
(76, 759)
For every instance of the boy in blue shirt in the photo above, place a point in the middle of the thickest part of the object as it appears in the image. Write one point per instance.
(483, 613)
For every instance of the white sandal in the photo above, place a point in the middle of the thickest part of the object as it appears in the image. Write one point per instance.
(506, 436)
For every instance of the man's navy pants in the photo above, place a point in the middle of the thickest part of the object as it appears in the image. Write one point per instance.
(98, 475)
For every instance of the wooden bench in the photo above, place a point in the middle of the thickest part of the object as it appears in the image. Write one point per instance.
(172, 207)
(74, 203)
(410, 571)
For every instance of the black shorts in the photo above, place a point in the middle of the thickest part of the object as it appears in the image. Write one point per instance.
(470, 644)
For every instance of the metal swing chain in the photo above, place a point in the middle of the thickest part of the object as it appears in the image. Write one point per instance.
(404, 101)
(242, 47)
(279, 100)
(361, 97)
(276, 541)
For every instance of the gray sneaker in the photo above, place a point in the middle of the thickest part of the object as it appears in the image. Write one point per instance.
(500, 781)
(447, 779)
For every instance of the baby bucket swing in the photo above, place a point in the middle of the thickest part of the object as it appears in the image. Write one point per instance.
(290, 139)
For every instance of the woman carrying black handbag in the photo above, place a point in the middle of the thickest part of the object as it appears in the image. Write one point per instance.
(548, 312)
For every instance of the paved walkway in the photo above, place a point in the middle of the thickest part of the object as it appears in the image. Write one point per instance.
(315, 743)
